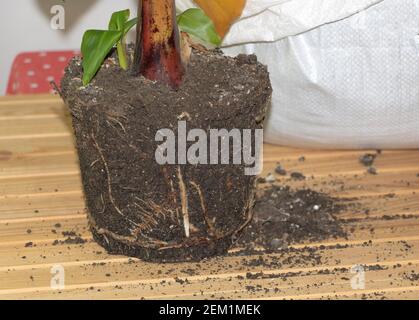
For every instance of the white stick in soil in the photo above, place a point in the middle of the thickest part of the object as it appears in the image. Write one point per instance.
(184, 202)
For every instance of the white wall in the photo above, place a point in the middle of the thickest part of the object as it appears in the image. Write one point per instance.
(25, 26)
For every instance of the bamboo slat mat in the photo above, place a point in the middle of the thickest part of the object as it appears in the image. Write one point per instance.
(41, 196)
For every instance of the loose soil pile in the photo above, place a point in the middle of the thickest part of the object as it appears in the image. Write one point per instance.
(283, 216)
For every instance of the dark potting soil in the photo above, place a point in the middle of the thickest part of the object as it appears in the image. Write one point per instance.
(283, 216)
(138, 207)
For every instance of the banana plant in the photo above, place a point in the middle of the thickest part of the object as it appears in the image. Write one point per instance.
(158, 48)
(157, 51)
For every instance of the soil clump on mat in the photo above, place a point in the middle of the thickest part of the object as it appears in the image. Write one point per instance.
(283, 216)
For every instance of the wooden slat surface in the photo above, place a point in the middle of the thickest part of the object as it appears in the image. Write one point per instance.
(40, 196)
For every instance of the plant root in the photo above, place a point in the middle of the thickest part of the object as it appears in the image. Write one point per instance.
(108, 178)
(207, 219)
(110, 118)
(129, 240)
(184, 202)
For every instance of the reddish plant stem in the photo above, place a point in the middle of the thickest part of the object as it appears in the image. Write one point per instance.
(157, 52)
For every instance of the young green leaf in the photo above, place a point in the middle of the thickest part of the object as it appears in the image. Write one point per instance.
(121, 47)
(198, 24)
(118, 20)
(96, 45)
(129, 24)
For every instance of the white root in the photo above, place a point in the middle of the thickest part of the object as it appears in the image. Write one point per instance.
(184, 202)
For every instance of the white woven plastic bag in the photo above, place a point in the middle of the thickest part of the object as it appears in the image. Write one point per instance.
(345, 76)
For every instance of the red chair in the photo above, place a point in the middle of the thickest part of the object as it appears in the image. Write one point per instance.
(32, 72)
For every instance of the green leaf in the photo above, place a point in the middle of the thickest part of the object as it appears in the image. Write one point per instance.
(96, 44)
(129, 24)
(197, 23)
(95, 47)
(118, 20)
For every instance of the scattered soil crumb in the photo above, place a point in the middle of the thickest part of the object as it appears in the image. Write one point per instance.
(280, 170)
(270, 178)
(69, 233)
(72, 238)
(412, 276)
(368, 159)
(298, 176)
